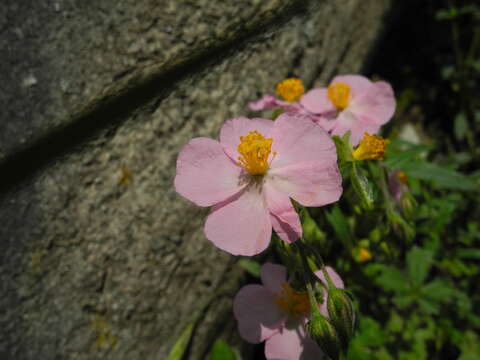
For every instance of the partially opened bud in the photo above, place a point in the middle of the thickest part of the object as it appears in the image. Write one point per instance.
(322, 331)
(340, 310)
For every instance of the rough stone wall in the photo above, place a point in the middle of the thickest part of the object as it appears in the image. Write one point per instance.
(100, 258)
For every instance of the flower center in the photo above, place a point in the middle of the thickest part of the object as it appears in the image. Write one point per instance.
(295, 302)
(339, 95)
(372, 147)
(290, 89)
(254, 150)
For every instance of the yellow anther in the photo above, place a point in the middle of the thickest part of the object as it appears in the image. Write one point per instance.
(402, 177)
(254, 150)
(372, 147)
(295, 302)
(339, 95)
(364, 255)
(290, 89)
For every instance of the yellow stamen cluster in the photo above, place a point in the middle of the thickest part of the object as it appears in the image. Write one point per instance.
(364, 255)
(295, 302)
(339, 95)
(254, 150)
(402, 177)
(290, 89)
(372, 147)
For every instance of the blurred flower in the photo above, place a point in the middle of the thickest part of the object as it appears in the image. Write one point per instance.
(290, 90)
(351, 102)
(372, 147)
(364, 255)
(277, 314)
(251, 174)
(361, 254)
(397, 184)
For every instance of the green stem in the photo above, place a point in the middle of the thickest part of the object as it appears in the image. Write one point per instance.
(308, 279)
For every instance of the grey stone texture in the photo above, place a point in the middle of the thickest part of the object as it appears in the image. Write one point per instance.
(100, 258)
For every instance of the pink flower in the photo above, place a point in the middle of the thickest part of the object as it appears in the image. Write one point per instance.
(397, 184)
(351, 102)
(251, 174)
(277, 314)
(269, 101)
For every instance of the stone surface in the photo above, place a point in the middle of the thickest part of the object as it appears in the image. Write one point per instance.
(62, 57)
(100, 258)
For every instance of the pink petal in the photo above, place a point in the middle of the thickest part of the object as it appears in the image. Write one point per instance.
(273, 276)
(232, 129)
(205, 175)
(377, 106)
(316, 101)
(309, 183)
(337, 281)
(359, 85)
(240, 225)
(297, 139)
(285, 219)
(326, 122)
(347, 120)
(292, 344)
(267, 102)
(258, 317)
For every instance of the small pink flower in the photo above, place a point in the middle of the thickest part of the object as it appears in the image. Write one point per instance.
(277, 314)
(269, 101)
(251, 174)
(351, 102)
(397, 184)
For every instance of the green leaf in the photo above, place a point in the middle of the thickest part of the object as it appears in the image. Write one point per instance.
(395, 323)
(397, 160)
(182, 342)
(252, 267)
(443, 177)
(276, 113)
(439, 291)
(222, 351)
(419, 262)
(311, 231)
(470, 346)
(362, 187)
(468, 253)
(392, 279)
(460, 126)
(370, 332)
(339, 223)
(403, 301)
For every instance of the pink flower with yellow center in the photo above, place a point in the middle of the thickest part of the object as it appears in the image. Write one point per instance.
(289, 91)
(276, 313)
(250, 175)
(351, 102)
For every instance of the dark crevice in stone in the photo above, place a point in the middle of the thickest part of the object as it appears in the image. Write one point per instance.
(110, 112)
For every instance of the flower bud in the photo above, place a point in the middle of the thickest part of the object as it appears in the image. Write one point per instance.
(408, 205)
(362, 187)
(340, 310)
(322, 331)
